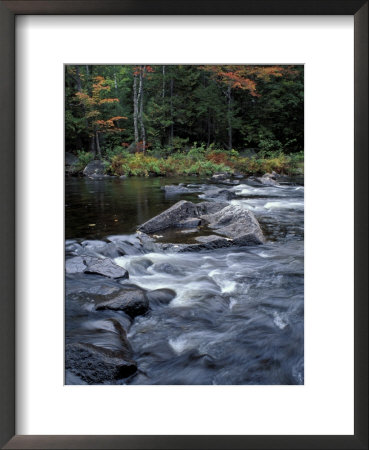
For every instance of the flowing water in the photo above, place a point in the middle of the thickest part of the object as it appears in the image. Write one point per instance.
(238, 313)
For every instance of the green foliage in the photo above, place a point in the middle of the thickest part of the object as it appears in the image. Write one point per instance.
(184, 105)
(201, 161)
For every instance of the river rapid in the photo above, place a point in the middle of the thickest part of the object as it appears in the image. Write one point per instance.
(238, 313)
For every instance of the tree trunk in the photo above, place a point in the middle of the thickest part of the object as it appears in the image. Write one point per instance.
(163, 94)
(229, 97)
(209, 128)
(171, 112)
(78, 79)
(93, 145)
(135, 108)
(115, 83)
(98, 145)
(141, 95)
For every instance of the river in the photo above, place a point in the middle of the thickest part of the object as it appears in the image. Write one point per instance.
(238, 313)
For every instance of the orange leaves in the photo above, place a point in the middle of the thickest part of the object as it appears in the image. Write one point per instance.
(137, 70)
(118, 118)
(109, 100)
(94, 109)
(245, 77)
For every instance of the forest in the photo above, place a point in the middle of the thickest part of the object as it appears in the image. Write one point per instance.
(185, 119)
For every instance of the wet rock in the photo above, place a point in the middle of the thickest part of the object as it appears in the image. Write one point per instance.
(219, 177)
(236, 223)
(75, 265)
(166, 268)
(230, 182)
(129, 245)
(140, 265)
(133, 302)
(96, 365)
(105, 267)
(189, 223)
(70, 159)
(173, 189)
(170, 218)
(268, 179)
(176, 215)
(72, 248)
(160, 296)
(222, 194)
(95, 167)
(211, 238)
(79, 283)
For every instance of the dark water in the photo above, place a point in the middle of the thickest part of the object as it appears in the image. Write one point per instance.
(238, 314)
(97, 208)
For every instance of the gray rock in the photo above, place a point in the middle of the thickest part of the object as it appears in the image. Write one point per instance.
(70, 159)
(230, 182)
(160, 296)
(175, 216)
(236, 223)
(170, 218)
(268, 179)
(174, 189)
(79, 284)
(210, 238)
(94, 168)
(133, 302)
(105, 267)
(219, 176)
(166, 268)
(96, 365)
(75, 265)
(189, 223)
(222, 194)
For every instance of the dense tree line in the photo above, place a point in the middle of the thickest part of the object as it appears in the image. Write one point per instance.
(168, 108)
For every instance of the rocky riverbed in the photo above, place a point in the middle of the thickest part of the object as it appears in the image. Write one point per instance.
(208, 290)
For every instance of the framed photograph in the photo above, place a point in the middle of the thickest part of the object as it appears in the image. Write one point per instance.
(181, 269)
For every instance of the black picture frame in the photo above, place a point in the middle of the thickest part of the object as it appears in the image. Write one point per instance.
(8, 12)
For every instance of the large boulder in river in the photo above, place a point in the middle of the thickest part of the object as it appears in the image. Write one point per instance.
(236, 223)
(177, 215)
(232, 225)
(94, 168)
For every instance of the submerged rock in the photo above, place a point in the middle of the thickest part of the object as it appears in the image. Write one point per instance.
(176, 189)
(97, 365)
(133, 302)
(161, 296)
(105, 267)
(166, 268)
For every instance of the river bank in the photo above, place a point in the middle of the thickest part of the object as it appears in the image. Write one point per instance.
(137, 313)
(195, 162)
